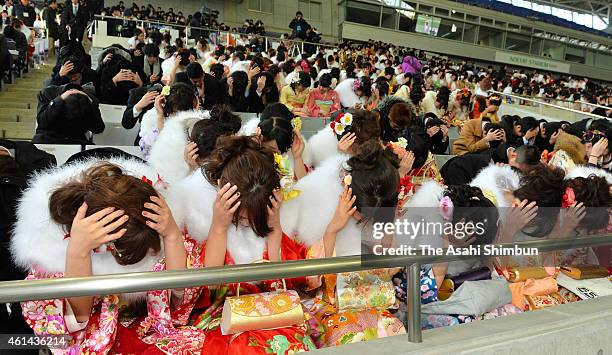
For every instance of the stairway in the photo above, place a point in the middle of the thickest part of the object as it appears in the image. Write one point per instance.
(18, 104)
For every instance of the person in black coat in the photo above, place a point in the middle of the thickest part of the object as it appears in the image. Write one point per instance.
(437, 131)
(18, 161)
(66, 113)
(25, 12)
(140, 101)
(117, 77)
(74, 20)
(234, 91)
(263, 92)
(74, 72)
(21, 42)
(53, 31)
(299, 27)
(207, 88)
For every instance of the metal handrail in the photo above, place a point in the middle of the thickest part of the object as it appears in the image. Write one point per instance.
(210, 29)
(547, 104)
(17, 291)
(557, 100)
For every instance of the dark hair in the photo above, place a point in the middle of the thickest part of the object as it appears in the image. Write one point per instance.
(205, 132)
(303, 79)
(241, 80)
(106, 185)
(594, 192)
(442, 97)
(375, 181)
(365, 126)
(365, 86)
(194, 70)
(528, 123)
(77, 108)
(417, 143)
(77, 64)
(325, 80)
(151, 50)
(278, 129)
(179, 99)
(545, 186)
(244, 162)
(276, 109)
(471, 205)
(217, 70)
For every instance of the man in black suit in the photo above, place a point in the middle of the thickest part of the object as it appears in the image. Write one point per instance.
(140, 101)
(74, 20)
(24, 11)
(65, 114)
(207, 88)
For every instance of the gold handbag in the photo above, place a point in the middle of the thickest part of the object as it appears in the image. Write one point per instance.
(582, 272)
(365, 290)
(519, 274)
(267, 310)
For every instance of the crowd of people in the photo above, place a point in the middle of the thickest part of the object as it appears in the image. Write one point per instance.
(213, 191)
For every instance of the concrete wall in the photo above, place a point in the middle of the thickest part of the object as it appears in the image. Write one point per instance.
(576, 328)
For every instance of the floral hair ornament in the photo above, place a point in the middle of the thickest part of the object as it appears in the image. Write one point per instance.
(357, 84)
(569, 198)
(296, 122)
(342, 123)
(399, 147)
(166, 90)
(446, 208)
(347, 180)
(146, 180)
(405, 190)
(287, 182)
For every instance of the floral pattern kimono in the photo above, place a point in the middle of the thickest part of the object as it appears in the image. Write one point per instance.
(429, 171)
(209, 308)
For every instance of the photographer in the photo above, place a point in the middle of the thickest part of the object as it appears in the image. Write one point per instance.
(299, 27)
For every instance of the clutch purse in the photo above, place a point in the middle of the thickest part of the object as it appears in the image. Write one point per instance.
(365, 290)
(267, 310)
(539, 302)
(519, 274)
(583, 272)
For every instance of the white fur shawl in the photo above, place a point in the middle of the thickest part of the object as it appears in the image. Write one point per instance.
(323, 145)
(308, 215)
(191, 200)
(166, 154)
(39, 241)
(249, 129)
(585, 171)
(498, 179)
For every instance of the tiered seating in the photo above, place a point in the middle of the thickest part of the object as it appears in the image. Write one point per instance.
(18, 102)
(114, 133)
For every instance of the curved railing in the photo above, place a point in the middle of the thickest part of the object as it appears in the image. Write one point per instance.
(16, 291)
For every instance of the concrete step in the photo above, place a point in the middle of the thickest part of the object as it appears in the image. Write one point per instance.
(5, 104)
(17, 130)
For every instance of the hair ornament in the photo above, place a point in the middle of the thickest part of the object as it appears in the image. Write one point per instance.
(146, 180)
(569, 198)
(342, 123)
(347, 180)
(357, 84)
(296, 122)
(405, 190)
(287, 182)
(166, 90)
(446, 208)
(490, 196)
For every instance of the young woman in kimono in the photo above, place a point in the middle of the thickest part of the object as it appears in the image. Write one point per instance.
(103, 218)
(175, 153)
(367, 184)
(230, 210)
(277, 129)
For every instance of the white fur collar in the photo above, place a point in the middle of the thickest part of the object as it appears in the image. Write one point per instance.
(166, 154)
(307, 216)
(250, 128)
(498, 179)
(323, 145)
(39, 241)
(586, 170)
(191, 200)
